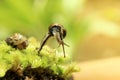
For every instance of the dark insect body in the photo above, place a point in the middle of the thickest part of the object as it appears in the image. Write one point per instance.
(57, 31)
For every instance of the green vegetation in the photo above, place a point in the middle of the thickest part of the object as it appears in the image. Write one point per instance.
(50, 58)
(32, 18)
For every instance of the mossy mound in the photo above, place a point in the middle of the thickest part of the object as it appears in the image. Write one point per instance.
(27, 65)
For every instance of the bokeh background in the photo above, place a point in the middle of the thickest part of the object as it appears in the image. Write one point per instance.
(93, 28)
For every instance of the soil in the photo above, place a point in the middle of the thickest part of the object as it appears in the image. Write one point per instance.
(32, 74)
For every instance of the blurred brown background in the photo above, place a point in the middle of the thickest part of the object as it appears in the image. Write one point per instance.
(103, 37)
(93, 28)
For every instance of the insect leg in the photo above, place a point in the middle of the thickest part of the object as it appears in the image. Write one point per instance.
(63, 50)
(43, 42)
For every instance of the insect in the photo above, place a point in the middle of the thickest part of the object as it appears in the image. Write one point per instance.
(57, 31)
(17, 41)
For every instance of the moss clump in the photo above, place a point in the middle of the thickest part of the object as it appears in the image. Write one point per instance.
(27, 65)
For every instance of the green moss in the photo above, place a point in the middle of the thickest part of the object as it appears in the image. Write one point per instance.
(10, 57)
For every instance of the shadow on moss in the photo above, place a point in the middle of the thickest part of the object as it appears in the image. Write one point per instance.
(32, 74)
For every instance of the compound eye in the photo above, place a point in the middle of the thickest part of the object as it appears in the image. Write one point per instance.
(54, 28)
